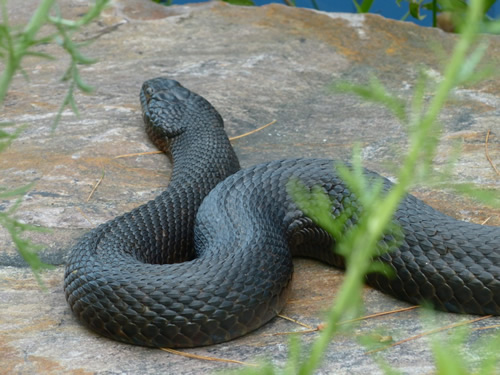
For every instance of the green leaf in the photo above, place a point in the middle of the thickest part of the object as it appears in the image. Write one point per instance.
(316, 204)
(364, 7)
(16, 192)
(41, 55)
(468, 70)
(415, 10)
(164, 2)
(382, 268)
(375, 93)
(488, 4)
(294, 352)
(45, 40)
(8, 137)
(491, 27)
(75, 53)
(489, 197)
(430, 6)
(24, 246)
(68, 100)
(453, 5)
(489, 353)
(88, 17)
(94, 12)
(16, 43)
(240, 2)
(446, 360)
(314, 4)
(80, 84)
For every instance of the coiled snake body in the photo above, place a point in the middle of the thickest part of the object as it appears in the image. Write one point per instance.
(172, 273)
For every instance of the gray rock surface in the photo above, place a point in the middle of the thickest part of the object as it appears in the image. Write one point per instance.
(254, 65)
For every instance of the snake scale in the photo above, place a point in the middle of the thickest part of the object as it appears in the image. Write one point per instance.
(208, 261)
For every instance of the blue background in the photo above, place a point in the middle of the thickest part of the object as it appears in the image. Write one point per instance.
(386, 8)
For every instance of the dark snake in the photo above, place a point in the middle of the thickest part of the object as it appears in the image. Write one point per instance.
(176, 272)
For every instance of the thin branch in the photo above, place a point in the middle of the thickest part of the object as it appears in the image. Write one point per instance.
(85, 216)
(252, 131)
(295, 321)
(322, 326)
(430, 333)
(204, 358)
(96, 185)
(487, 153)
(484, 222)
(138, 154)
(376, 315)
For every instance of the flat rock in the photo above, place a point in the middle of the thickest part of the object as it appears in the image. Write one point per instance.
(255, 64)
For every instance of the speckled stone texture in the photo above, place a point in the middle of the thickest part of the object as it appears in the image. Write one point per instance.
(254, 65)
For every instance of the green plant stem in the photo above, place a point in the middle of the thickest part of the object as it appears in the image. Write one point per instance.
(315, 4)
(450, 78)
(353, 282)
(17, 51)
(14, 46)
(38, 19)
(6, 77)
(359, 261)
(434, 13)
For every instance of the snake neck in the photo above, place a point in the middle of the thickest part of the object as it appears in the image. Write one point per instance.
(193, 156)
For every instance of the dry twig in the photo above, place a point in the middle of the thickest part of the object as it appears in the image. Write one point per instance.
(96, 185)
(252, 131)
(487, 153)
(322, 326)
(429, 333)
(484, 222)
(205, 358)
(487, 327)
(295, 321)
(376, 315)
(85, 216)
(138, 154)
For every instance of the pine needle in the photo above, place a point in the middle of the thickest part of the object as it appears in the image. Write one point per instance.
(138, 154)
(96, 185)
(487, 153)
(205, 358)
(252, 131)
(430, 333)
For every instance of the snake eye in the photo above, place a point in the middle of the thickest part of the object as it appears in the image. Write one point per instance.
(149, 91)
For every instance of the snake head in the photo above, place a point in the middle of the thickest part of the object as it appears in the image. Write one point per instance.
(169, 109)
(163, 104)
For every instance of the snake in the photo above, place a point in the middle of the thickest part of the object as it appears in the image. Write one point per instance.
(210, 258)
